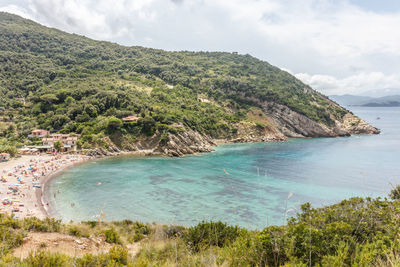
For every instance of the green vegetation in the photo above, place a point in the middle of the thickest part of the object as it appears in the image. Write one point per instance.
(395, 193)
(112, 236)
(205, 235)
(58, 145)
(354, 232)
(70, 83)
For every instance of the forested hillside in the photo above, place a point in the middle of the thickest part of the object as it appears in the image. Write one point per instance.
(68, 83)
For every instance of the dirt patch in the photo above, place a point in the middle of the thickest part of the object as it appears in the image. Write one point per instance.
(61, 243)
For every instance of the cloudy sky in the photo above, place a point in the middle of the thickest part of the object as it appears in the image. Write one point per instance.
(336, 46)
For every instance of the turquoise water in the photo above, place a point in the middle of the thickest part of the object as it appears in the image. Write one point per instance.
(261, 183)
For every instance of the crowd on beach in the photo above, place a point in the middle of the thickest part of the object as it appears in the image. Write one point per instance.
(20, 182)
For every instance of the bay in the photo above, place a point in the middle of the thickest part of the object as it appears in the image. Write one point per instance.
(251, 185)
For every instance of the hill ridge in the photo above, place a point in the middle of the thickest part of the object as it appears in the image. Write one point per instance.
(184, 100)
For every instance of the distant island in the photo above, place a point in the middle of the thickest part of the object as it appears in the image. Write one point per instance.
(367, 101)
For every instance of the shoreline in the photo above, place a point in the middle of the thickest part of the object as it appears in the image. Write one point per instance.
(24, 179)
(38, 206)
(23, 174)
(40, 194)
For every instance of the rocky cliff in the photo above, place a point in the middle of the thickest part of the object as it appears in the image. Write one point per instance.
(293, 124)
(279, 123)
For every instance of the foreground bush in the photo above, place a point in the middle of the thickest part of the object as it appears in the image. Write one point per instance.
(44, 259)
(112, 236)
(46, 225)
(354, 232)
(117, 256)
(208, 234)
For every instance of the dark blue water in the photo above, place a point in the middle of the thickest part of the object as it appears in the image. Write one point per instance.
(251, 185)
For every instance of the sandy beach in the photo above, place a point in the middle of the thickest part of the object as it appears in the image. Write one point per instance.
(22, 182)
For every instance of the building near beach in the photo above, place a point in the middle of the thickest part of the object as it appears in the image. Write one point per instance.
(39, 133)
(69, 142)
(130, 119)
(4, 156)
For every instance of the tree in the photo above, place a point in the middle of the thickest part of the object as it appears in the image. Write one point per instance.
(62, 95)
(148, 124)
(49, 98)
(113, 124)
(58, 145)
(69, 100)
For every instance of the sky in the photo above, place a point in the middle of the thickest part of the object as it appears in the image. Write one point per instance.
(336, 46)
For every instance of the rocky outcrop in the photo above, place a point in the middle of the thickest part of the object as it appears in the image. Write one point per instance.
(249, 132)
(176, 145)
(186, 142)
(278, 123)
(293, 124)
(102, 152)
(355, 125)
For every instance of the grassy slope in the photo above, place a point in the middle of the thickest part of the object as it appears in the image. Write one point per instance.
(75, 84)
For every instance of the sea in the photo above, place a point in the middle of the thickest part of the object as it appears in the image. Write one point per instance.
(250, 185)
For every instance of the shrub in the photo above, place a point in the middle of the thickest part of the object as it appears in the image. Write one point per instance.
(395, 193)
(174, 231)
(92, 224)
(46, 225)
(244, 251)
(164, 139)
(260, 125)
(47, 259)
(74, 230)
(272, 246)
(118, 254)
(166, 253)
(141, 228)
(7, 221)
(10, 239)
(138, 229)
(207, 234)
(112, 236)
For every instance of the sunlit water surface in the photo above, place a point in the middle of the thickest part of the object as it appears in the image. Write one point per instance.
(251, 192)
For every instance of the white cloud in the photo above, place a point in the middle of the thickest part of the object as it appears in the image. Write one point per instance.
(98, 19)
(14, 9)
(334, 45)
(357, 84)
